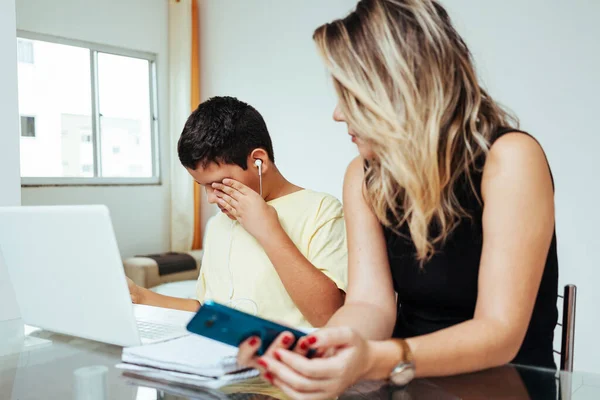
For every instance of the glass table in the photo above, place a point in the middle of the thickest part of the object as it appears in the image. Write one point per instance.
(47, 372)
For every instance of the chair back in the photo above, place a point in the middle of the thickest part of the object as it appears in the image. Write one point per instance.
(567, 346)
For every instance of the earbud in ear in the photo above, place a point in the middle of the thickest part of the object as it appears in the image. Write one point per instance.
(258, 164)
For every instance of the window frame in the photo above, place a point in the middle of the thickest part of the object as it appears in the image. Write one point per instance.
(18, 52)
(97, 180)
(21, 116)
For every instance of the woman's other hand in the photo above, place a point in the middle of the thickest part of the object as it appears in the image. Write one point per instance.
(349, 359)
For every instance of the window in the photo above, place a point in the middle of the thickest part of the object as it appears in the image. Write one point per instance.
(25, 51)
(95, 113)
(27, 126)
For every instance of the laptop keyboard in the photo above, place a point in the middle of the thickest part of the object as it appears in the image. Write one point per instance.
(151, 331)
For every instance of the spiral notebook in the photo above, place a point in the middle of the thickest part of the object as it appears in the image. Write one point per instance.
(190, 354)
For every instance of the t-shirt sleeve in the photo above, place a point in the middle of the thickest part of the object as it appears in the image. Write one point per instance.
(201, 287)
(201, 283)
(327, 247)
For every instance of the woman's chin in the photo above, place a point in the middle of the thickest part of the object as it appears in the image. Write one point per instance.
(366, 153)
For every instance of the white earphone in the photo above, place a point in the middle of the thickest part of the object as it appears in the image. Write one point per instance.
(236, 302)
(258, 164)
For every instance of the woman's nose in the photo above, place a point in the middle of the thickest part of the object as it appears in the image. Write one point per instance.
(338, 115)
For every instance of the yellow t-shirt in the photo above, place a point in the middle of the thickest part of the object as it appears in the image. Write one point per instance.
(313, 221)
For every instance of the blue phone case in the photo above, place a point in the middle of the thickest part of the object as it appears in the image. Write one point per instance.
(230, 326)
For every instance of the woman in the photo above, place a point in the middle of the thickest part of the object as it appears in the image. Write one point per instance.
(448, 205)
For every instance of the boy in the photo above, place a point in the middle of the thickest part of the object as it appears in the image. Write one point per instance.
(276, 250)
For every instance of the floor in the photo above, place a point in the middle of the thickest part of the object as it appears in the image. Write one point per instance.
(585, 386)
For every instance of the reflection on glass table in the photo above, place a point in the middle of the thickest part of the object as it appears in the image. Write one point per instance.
(47, 372)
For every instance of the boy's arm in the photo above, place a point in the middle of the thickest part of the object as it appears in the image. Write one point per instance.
(313, 292)
(140, 295)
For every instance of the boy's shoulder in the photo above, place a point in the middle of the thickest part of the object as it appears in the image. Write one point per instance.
(217, 222)
(310, 203)
(326, 202)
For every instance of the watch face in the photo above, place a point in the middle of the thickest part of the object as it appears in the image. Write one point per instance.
(402, 375)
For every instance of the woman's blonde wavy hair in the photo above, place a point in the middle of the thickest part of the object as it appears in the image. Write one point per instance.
(407, 86)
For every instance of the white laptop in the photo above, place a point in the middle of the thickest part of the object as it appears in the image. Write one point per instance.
(68, 276)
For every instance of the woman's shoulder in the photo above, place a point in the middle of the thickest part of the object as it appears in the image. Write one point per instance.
(354, 179)
(516, 156)
(356, 169)
(512, 137)
(517, 148)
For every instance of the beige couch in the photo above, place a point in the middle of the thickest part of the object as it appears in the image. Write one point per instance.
(144, 272)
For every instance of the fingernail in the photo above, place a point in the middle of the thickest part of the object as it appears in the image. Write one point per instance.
(277, 356)
(303, 346)
(253, 341)
(269, 376)
(262, 363)
(286, 340)
(312, 340)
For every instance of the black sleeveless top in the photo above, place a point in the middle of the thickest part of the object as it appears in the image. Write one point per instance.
(444, 291)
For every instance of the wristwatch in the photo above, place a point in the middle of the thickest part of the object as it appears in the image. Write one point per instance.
(404, 371)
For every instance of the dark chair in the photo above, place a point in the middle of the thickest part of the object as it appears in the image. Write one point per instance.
(567, 345)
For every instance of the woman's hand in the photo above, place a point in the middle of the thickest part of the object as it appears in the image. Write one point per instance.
(247, 354)
(247, 207)
(349, 359)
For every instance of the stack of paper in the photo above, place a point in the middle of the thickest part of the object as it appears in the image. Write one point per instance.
(187, 380)
(189, 359)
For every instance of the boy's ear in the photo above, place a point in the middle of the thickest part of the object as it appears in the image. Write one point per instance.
(259, 154)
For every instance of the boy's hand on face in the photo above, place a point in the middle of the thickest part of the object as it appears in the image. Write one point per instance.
(257, 217)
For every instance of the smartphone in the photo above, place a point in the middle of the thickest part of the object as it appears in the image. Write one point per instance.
(232, 327)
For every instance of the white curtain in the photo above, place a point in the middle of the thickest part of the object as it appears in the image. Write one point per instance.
(182, 190)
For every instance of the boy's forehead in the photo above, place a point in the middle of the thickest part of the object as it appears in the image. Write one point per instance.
(213, 168)
(214, 172)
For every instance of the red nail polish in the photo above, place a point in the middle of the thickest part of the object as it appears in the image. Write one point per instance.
(312, 340)
(277, 356)
(286, 340)
(262, 363)
(269, 376)
(303, 346)
(253, 341)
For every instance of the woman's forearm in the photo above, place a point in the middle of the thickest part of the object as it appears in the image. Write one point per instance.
(470, 346)
(368, 320)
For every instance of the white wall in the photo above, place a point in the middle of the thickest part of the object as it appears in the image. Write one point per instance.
(141, 215)
(10, 180)
(539, 57)
(262, 53)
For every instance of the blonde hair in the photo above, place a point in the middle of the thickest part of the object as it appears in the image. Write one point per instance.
(407, 86)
